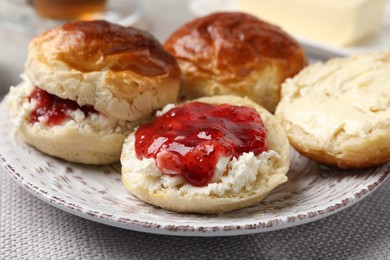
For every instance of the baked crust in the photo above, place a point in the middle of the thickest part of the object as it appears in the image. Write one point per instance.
(173, 199)
(338, 112)
(235, 53)
(123, 72)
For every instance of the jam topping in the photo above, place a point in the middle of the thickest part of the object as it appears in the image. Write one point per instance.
(190, 139)
(53, 108)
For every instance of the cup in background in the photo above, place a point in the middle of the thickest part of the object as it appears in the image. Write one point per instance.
(69, 9)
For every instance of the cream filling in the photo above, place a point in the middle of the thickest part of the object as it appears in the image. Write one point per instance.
(95, 122)
(243, 173)
(231, 175)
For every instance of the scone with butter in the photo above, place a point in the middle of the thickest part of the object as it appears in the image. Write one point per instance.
(86, 85)
(209, 155)
(338, 112)
(233, 53)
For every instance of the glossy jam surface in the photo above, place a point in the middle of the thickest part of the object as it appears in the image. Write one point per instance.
(190, 139)
(54, 108)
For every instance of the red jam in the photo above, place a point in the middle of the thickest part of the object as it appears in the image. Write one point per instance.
(54, 108)
(189, 139)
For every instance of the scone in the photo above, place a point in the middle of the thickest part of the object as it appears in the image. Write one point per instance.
(234, 54)
(209, 155)
(338, 112)
(85, 86)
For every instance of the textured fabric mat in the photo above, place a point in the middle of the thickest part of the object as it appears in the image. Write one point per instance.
(31, 229)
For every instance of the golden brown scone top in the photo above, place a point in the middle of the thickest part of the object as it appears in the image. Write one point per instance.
(98, 45)
(238, 43)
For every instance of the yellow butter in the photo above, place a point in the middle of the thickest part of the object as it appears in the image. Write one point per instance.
(327, 21)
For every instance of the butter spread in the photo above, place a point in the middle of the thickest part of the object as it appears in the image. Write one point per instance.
(350, 95)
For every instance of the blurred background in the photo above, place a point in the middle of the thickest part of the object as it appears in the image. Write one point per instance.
(322, 26)
(19, 23)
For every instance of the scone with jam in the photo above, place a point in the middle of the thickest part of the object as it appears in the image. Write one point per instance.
(209, 155)
(86, 84)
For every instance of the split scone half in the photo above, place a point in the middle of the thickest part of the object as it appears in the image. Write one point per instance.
(86, 84)
(338, 112)
(210, 155)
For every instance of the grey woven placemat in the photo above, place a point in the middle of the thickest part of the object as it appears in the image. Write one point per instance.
(31, 229)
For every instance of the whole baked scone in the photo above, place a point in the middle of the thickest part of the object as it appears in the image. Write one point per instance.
(86, 85)
(236, 54)
(209, 155)
(338, 112)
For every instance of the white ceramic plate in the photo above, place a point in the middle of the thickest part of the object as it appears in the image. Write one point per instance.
(96, 193)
